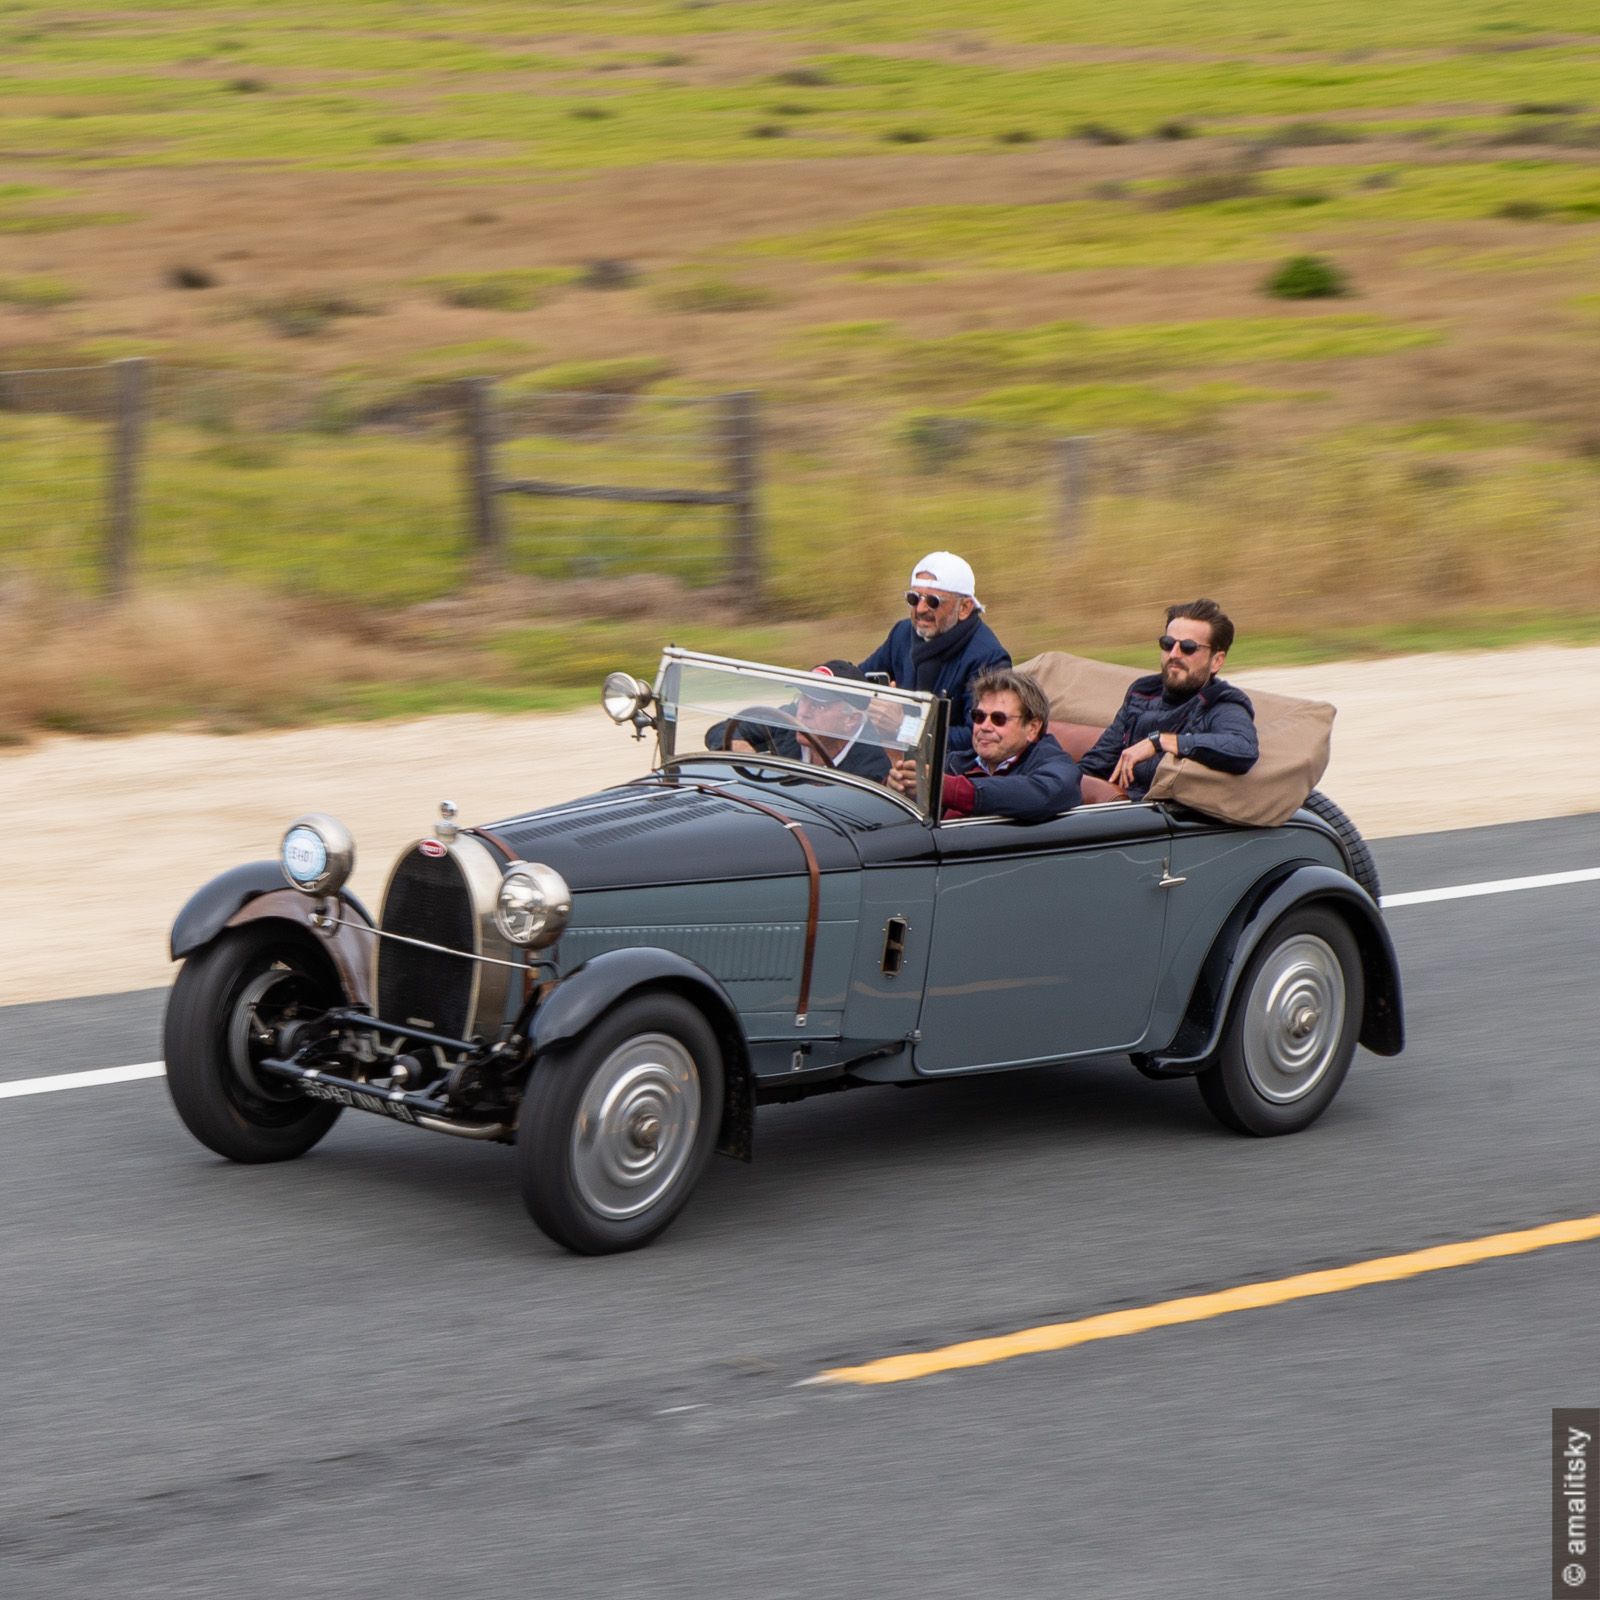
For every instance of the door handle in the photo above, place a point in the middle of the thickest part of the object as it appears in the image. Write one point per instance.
(1167, 880)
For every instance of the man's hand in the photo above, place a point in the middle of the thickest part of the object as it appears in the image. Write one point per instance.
(886, 717)
(903, 776)
(1133, 756)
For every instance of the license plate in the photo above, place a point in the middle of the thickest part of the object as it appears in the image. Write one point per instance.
(361, 1101)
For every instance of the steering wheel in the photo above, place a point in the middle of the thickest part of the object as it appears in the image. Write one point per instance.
(757, 726)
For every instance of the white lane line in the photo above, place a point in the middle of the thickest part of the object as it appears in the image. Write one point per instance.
(83, 1080)
(1469, 891)
(1417, 897)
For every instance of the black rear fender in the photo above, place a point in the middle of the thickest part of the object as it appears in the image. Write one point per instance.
(1383, 1019)
(256, 892)
(581, 998)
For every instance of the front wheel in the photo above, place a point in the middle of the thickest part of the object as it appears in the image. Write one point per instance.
(617, 1127)
(1292, 1030)
(226, 1007)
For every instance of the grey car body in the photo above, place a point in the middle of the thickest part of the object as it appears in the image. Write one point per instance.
(829, 934)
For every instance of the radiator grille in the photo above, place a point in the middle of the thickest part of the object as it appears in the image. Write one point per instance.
(428, 899)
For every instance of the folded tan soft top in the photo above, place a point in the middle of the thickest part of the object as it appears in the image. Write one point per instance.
(1294, 737)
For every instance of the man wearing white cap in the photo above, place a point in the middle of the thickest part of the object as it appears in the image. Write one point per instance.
(945, 643)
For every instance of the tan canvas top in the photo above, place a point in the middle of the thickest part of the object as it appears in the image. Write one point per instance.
(1294, 734)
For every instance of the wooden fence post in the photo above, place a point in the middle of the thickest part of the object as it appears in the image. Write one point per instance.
(742, 443)
(122, 497)
(483, 505)
(1072, 488)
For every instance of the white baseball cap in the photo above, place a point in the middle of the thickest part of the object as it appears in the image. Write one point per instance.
(948, 572)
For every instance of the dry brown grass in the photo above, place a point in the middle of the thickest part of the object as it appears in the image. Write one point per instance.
(225, 658)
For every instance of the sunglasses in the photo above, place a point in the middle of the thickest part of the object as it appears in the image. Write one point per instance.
(931, 601)
(998, 718)
(1187, 646)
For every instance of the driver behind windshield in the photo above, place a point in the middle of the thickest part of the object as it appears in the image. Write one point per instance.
(1015, 767)
(827, 723)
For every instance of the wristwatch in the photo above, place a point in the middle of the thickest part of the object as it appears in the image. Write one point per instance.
(1155, 739)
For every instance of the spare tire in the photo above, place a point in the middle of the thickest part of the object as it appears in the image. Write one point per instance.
(1362, 867)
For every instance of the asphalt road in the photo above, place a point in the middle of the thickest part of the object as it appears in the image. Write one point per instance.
(365, 1374)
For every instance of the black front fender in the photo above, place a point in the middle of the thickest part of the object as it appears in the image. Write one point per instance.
(258, 890)
(581, 998)
(1383, 1019)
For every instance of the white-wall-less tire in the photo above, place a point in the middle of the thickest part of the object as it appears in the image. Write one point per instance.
(617, 1126)
(1292, 1028)
(224, 1008)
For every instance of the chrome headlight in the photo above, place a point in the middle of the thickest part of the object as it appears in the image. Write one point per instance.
(534, 904)
(317, 854)
(624, 697)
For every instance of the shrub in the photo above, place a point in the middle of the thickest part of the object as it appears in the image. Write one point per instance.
(907, 136)
(803, 77)
(1547, 108)
(1016, 136)
(1306, 278)
(1206, 186)
(1378, 180)
(1111, 189)
(186, 277)
(713, 294)
(247, 85)
(393, 136)
(1523, 210)
(590, 113)
(933, 442)
(304, 316)
(671, 58)
(608, 273)
(1551, 131)
(1099, 133)
(1290, 134)
(1176, 128)
(499, 291)
(767, 130)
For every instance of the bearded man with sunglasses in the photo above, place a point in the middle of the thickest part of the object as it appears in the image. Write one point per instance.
(1183, 710)
(945, 643)
(1015, 768)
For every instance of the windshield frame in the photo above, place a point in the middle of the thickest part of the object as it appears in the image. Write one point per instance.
(928, 752)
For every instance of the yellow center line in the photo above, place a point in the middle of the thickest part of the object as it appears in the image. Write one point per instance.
(1202, 1307)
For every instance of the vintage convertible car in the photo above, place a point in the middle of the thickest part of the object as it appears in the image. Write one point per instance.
(615, 984)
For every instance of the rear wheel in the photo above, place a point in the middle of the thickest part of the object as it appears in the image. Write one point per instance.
(226, 1006)
(617, 1127)
(1292, 1030)
(1362, 867)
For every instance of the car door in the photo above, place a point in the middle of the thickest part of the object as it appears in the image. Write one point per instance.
(1047, 937)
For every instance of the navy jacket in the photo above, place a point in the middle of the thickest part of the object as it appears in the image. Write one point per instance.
(1042, 784)
(1216, 727)
(954, 673)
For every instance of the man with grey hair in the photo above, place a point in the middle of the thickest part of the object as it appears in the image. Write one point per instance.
(1015, 767)
(944, 643)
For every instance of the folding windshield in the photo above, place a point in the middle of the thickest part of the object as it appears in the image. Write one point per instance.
(779, 717)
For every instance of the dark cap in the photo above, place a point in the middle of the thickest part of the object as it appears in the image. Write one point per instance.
(835, 669)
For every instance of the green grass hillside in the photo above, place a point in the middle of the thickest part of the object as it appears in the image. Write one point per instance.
(1319, 280)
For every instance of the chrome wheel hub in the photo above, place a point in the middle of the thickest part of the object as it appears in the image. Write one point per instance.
(636, 1126)
(1294, 1019)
